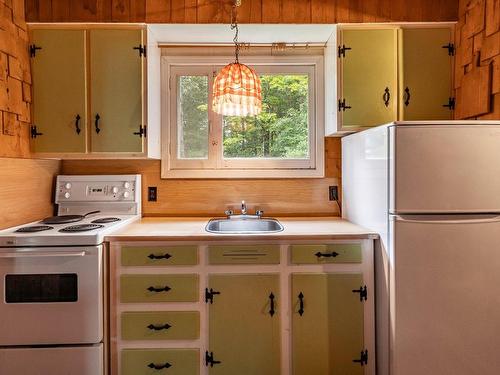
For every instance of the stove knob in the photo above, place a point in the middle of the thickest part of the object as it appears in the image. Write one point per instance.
(115, 189)
(68, 185)
(126, 194)
(126, 185)
(67, 195)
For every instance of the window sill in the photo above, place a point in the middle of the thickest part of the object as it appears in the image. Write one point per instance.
(241, 173)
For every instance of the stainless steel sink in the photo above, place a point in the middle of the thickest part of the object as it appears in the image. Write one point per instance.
(244, 225)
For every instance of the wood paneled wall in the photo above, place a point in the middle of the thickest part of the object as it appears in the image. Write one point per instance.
(26, 192)
(278, 197)
(477, 61)
(251, 11)
(15, 80)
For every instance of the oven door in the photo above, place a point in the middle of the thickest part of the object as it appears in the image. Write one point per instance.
(51, 295)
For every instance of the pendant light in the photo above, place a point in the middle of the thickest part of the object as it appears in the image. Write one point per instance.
(237, 87)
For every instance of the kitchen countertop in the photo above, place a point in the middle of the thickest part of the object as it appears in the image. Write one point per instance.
(162, 228)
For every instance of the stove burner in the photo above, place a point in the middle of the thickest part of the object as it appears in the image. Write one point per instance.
(34, 228)
(64, 219)
(81, 228)
(105, 220)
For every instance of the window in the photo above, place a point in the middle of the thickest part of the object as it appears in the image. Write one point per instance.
(284, 140)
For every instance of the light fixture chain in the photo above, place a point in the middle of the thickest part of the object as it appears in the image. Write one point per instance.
(234, 26)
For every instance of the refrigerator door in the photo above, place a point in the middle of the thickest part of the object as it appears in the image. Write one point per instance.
(445, 306)
(444, 168)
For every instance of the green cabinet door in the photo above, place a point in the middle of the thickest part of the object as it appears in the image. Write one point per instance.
(160, 362)
(244, 324)
(327, 324)
(426, 71)
(116, 90)
(368, 77)
(59, 94)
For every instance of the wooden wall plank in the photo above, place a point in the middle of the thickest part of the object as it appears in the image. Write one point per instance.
(250, 11)
(322, 11)
(158, 11)
(214, 11)
(120, 10)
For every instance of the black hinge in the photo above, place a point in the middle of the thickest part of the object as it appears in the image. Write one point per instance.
(451, 48)
(209, 295)
(363, 293)
(142, 131)
(142, 50)
(33, 132)
(343, 106)
(451, 104)
(342, 49)
(32, 49)
(363, 360)
(209, 359)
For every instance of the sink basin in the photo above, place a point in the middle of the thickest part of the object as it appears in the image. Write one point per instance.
(241, 226)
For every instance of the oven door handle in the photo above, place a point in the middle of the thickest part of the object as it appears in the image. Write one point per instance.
(43, 254)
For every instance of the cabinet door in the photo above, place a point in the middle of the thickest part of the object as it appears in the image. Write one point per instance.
(116, 90)
(244, 332)
(327, 327)
(368, 76)
(426, 70)
(59, 94)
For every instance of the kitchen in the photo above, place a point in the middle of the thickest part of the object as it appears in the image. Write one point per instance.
(87, 89)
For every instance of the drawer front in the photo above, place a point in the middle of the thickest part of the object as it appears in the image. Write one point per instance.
(163, 325)
(160, 362)
(244, 254)
(159, 255)
(159, 288)
(331, 253)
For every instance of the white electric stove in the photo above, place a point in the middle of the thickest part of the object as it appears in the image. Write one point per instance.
(52, 282)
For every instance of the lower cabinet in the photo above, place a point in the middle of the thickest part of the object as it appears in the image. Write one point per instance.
(327, 324)
(307, 309)
(244, 325)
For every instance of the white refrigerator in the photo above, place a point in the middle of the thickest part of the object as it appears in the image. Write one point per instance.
(432, 191)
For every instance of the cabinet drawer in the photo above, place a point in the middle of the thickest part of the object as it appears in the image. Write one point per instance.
(160, 362)
(244, 254)
(332, 253)
(162, 325)
(159, 288)
(159, 255)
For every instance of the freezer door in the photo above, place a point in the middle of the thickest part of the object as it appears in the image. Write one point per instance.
(445, 306)
(444, 168)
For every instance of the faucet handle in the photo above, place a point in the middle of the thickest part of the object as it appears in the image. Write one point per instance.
(228, 212)
(259, 213)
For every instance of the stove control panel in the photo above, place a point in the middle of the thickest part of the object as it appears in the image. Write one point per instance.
(104, 189)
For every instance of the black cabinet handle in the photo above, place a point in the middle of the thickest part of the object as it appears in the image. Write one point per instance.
(209, 359)
(97, 128)
(34, 132)
(209, 295)
(159, 290)
(387, 96)
(343, 106)
(407, 96)
(271, 303)
(77, 124)
(301, 303)
(141, 132)
(156, 257)
(159, 367)
(152, 327)
(333, 254)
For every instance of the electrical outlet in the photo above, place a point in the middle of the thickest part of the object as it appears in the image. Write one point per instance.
(152, 193)
(333, 193)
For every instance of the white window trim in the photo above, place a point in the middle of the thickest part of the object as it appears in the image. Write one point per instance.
(243, 168)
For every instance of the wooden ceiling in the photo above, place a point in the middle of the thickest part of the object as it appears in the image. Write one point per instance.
(251, 11)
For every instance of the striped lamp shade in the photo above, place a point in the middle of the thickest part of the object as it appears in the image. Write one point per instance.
(237, 91)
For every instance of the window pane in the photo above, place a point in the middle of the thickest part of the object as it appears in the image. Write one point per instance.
(192, 117)
(281, 130)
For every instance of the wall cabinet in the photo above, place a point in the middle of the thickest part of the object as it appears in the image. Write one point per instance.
(90, 92)
(387, 73)
(292, 314)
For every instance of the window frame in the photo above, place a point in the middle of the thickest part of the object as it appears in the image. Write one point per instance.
(216, 166)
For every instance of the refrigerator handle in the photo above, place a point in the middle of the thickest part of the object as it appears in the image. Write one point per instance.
(449, 219)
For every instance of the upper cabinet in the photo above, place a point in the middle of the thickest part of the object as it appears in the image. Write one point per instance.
(390, 72)
(90, 93)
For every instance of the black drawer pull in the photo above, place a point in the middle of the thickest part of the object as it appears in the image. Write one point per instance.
(164, 256)
(77, 124)
(333, 254)
(407, 96)
(152, 327)
(97, 128)
(158, 290)
(271, 302)
(301, 303)
(159, 367)
(387, 96)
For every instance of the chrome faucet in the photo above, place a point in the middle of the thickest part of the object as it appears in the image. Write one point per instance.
(244, 213)
(243, 208)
